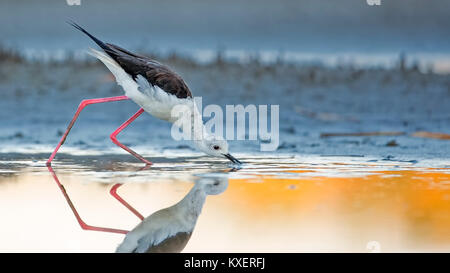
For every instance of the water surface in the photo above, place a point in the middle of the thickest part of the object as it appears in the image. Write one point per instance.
(272, 204)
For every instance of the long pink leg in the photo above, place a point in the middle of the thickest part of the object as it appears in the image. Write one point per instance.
(83, 225)
(113, 137)
(113, 192)
(83, 104)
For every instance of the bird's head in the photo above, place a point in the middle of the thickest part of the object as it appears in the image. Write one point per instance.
(216, 147)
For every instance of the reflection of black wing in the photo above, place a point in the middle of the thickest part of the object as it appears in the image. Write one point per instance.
(155, 73)
(174, 244)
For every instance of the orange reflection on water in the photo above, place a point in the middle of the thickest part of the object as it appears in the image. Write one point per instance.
(402, 210)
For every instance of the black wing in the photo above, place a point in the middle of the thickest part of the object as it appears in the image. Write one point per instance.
(134, 64)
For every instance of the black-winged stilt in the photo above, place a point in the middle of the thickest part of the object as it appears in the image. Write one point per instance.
(155, 88)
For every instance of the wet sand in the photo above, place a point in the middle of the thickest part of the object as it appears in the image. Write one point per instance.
(298, 204)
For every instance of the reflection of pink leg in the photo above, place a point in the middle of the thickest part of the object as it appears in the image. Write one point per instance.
(83, 104)
(113, 137)
(113, 192)
(80, 221)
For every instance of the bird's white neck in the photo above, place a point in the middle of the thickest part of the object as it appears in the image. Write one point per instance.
(188, 117)
(198, 128)
(198, 131)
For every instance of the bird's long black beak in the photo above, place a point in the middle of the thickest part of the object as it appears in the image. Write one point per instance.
(232, 159)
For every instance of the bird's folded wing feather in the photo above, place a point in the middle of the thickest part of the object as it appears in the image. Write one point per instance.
(155, 73)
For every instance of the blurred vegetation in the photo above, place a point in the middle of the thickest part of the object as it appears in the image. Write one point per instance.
(10, 55)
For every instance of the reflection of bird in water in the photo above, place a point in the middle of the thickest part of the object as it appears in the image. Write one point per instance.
(169, 229)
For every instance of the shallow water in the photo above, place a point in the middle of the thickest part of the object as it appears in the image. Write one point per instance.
(332, 68)
(272, 204)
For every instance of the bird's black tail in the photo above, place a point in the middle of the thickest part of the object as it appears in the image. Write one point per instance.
(101, 44)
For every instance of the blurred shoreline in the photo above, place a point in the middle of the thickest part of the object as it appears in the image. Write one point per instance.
(438, 63)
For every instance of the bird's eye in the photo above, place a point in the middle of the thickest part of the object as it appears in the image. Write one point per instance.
(216, 147)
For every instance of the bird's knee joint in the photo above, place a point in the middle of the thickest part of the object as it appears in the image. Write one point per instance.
(84, 103)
